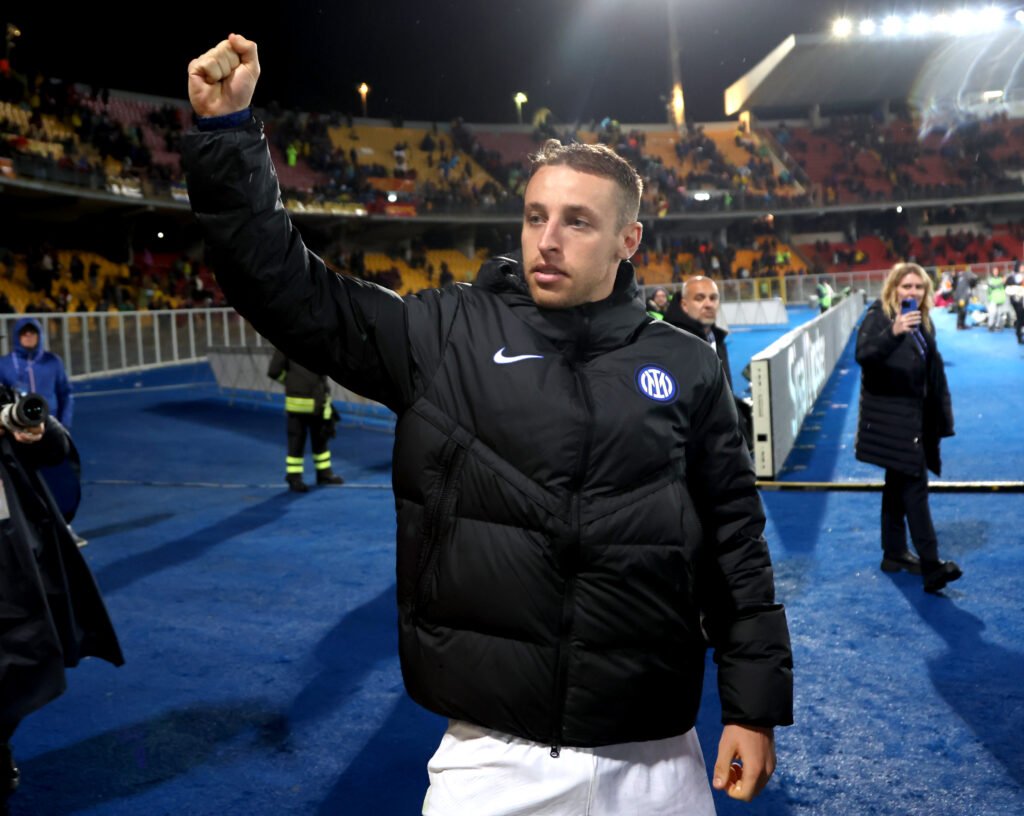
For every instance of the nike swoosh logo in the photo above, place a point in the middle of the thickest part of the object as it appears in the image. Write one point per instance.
(501, 359)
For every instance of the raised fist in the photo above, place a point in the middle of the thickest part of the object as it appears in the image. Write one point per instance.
(223, 80)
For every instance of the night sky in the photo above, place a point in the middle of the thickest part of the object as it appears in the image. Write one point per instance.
(434, 59)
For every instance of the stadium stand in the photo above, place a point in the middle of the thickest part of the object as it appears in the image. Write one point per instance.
(126, 144)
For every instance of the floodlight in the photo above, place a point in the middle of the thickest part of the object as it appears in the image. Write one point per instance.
(991, 96)
(702, 196)
(942, 24)
(392, 197)
(866, 27)
(1019, 17)
(899, 209)
(843, 27)
(991, 18)
(918, 24)
(892, 26)
(520, 100)
(963, 22)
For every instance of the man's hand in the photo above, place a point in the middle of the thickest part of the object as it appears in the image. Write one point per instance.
(223, 80)
(746, 761)
(27, 436)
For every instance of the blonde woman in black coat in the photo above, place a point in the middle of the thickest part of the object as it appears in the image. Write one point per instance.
(905, 410)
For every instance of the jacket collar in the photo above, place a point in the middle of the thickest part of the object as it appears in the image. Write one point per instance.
(676, 316)
(583, 331)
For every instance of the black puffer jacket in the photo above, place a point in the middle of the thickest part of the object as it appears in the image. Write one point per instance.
(679, 318)
(905, 408)
(571, 490)
(51, 613)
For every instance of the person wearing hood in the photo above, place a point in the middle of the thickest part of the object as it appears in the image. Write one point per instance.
(30, 368)
(577, 514)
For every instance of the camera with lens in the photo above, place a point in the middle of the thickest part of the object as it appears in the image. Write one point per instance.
(20, 412)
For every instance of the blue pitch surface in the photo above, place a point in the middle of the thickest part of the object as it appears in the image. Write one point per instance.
(259, 626)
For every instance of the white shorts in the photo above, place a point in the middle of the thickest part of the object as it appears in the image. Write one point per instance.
(487, 773)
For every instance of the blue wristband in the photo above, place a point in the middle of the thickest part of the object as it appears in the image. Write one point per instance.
(229, 120)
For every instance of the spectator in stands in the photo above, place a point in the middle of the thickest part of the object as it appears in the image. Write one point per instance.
(446, 276)
(307, 402)
(601, 434)
(658, 303)
(905, 410)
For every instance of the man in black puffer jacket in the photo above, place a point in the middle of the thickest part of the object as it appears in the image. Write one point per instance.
(695, 310)
(577, 512)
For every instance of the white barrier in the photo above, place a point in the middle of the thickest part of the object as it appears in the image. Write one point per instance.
(753, 312)
(788, 376)
(241, 373)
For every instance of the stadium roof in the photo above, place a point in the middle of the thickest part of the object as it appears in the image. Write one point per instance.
(936, 73)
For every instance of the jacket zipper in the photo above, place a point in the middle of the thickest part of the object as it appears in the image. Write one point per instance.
(436, 514)
(571, 560)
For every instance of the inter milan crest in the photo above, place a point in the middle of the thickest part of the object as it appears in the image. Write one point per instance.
(656, 384)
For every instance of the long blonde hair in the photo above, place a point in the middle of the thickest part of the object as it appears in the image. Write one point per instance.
(890, 301)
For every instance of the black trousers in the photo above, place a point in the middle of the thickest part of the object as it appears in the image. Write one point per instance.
(905, 503)
(961, 314)
(1018, 310)
(318, 428)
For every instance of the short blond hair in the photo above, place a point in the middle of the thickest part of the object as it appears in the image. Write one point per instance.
(597, 160)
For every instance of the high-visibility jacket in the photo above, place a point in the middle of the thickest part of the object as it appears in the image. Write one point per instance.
(996, 290)
(305, 392)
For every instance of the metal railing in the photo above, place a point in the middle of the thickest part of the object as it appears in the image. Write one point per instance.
(788, 288)
(804, 288)
(101, 343)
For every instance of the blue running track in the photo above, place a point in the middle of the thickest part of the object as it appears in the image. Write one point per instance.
(259, 626)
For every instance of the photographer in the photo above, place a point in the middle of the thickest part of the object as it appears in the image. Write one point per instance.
(53, 614)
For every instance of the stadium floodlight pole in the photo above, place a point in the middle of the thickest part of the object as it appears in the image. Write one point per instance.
(520, 99)
(678, 103)
(364, 90)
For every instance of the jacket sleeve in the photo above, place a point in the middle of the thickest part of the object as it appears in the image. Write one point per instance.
(349, 329)
(875, 340)
(51, 449)
(747, 628)
(939, 395)
(278, 368)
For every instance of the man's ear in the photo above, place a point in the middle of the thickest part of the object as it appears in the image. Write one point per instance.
(629, 239)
